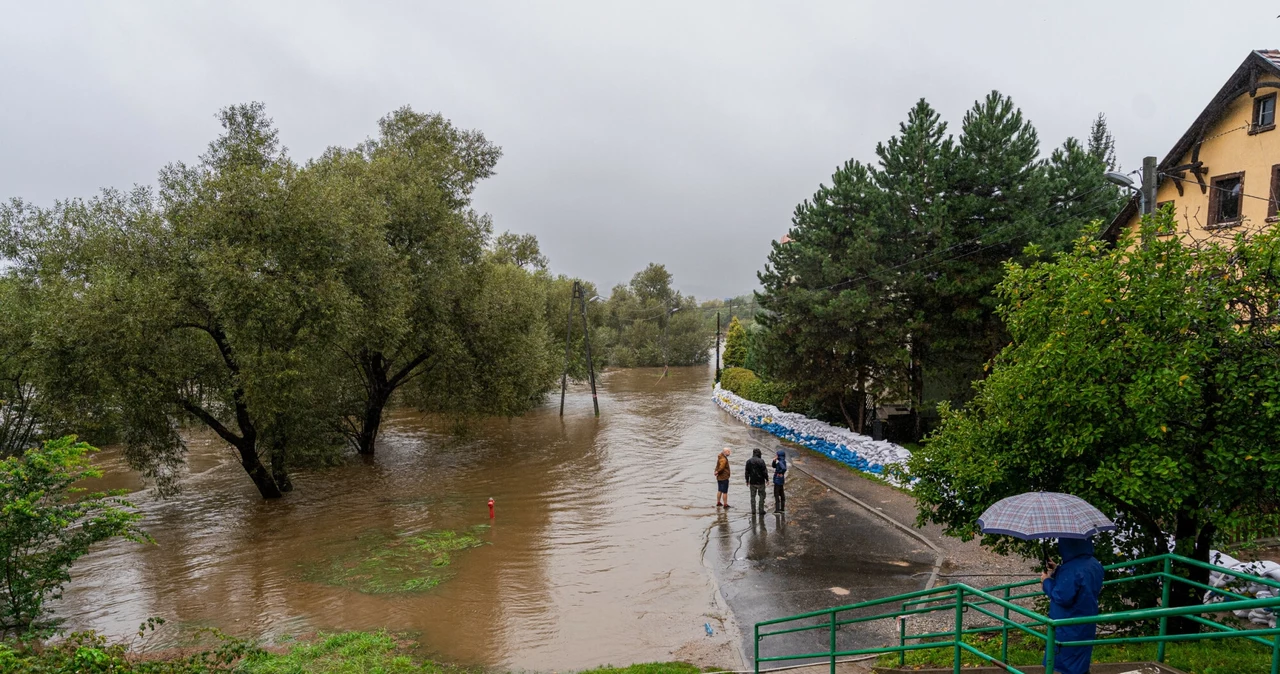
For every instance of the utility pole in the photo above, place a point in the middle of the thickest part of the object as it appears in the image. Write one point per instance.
(579, 296)
(717, 347)
(1148, 185)
(666, 367)
(586, 339)
(568, 327)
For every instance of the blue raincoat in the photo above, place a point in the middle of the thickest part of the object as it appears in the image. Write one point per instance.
(1073, 592)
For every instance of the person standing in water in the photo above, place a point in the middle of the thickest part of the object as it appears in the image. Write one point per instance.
(779, 482)
(722, 478)
(1073, 590)
(757, 477)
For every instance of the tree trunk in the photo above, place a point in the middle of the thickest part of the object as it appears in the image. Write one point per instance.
(1191, 540)
(279, 468)
(916, 389)
(847, 419)
(372, 421)
(862, 401)
(262, 478)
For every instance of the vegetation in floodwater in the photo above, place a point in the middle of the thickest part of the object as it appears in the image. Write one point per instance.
(397, 562)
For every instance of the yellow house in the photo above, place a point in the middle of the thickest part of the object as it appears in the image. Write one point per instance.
(1222, 175)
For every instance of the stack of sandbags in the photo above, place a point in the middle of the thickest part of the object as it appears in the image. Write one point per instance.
(1262, 569)
(841, 444)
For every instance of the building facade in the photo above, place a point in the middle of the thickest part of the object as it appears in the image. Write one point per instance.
(1223, 175)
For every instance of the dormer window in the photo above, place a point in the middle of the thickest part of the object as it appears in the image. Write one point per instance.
(1264, 113)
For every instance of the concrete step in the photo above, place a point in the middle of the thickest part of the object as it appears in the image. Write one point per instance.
(1096, 668)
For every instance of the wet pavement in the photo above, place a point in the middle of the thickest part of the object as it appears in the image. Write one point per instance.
(607, 547)
(822, 553)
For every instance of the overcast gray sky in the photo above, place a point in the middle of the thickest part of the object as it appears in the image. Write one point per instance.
(674, 132)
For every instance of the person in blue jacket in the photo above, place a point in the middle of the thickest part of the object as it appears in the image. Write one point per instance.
(1073, 589)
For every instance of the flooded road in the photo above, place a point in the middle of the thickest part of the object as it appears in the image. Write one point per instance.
(606, 548)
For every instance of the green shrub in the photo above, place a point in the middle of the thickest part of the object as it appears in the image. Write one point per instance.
(91, 653)
(745, 383)
(736, 379)
(46, 525)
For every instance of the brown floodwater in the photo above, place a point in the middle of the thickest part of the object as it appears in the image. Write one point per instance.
(595, 556)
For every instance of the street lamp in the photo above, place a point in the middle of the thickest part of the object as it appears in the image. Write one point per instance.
(1126, 182)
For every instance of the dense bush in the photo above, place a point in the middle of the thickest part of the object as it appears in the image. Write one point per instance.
(91, 653)
(46, 524)
(745, 383)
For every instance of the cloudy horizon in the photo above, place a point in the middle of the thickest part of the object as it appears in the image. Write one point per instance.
(680, 133)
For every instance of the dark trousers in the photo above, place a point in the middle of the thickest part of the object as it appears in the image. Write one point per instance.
(779, 498)
(757, 497)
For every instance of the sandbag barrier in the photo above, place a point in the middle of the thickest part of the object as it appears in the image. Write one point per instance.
(1263, 569)
(841, 444)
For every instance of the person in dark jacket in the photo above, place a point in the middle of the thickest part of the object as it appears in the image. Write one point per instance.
(757, 476)
(779, 482)
(1073, 589)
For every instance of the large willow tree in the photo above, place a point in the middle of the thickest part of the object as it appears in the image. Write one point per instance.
(281, 305)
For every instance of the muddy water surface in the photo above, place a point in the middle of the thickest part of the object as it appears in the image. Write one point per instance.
(596, 554)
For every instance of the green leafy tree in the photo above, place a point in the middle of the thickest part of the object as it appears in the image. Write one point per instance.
(425, 311)
(1143, 379)
(649, 323)
(215, 302)
(735, 345)
(522, 250)
(19, 413)
(46, 524)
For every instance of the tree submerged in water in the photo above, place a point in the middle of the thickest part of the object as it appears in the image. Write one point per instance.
(280, 305)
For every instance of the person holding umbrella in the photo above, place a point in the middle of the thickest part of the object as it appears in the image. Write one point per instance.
(1074, 586)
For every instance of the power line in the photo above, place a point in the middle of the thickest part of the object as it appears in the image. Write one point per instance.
(1215, 187)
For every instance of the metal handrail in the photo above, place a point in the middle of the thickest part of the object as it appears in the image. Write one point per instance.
(959, 597)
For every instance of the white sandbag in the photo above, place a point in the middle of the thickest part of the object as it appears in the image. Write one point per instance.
(841, 444)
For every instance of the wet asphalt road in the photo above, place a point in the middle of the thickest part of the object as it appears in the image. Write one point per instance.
(825, 551)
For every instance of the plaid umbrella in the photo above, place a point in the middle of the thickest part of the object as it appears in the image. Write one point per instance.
(1044, 514)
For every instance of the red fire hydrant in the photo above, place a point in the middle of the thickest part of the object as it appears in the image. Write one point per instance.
(490, 508)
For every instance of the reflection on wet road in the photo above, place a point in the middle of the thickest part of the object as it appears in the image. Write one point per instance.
(596, 555)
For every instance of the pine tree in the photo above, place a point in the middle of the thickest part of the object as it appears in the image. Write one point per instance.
(830, 323)
(735, 345)
(1102, 145)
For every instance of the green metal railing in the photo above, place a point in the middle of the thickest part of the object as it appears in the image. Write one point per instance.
(998, 603)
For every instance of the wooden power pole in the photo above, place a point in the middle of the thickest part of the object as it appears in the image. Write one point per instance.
(717, 347)
(579, 297)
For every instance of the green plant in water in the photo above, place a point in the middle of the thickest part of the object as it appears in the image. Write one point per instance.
(390, 563)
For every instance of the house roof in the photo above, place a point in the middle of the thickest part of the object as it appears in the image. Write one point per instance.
(1258, 62)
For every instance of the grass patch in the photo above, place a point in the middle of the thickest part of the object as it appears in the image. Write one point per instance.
(389, 563)
(341, 653)
(345, 653)
(648, 668)
(1231, 656)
